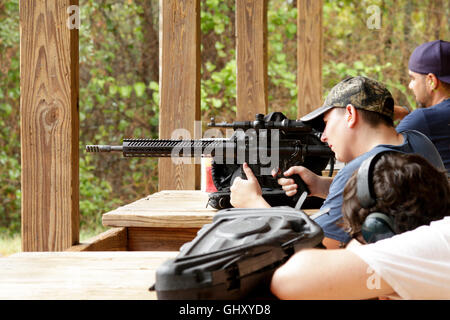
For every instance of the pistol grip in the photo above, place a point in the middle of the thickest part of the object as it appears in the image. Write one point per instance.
(301, 185)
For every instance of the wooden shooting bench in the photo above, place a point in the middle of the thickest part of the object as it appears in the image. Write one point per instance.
(118, 264)
(160, 222)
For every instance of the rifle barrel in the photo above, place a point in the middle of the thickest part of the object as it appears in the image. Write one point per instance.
(221, 148)
(163, 147)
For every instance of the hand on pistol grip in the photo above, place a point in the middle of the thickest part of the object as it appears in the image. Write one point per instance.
(300, 184)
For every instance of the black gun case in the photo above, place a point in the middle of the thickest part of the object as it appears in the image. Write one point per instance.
(236, 255)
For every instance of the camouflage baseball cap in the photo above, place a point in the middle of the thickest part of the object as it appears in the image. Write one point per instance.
(361, 92)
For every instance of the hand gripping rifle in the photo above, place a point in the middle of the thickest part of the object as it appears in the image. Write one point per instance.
(269, 142)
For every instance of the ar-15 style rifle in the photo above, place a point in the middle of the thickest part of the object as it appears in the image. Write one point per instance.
(270, 142)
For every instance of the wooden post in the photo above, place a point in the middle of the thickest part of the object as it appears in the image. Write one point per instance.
(309, 55)
(49, 125)
(251, 58)
(179, 85)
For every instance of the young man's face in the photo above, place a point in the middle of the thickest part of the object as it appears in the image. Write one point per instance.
(418, 86)
(336, 134)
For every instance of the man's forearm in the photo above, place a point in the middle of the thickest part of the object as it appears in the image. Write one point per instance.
(324, 186)
(326, 274)
(260, 203)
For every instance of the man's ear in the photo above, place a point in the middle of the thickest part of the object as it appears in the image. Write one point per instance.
(351, 115)
(432, 81)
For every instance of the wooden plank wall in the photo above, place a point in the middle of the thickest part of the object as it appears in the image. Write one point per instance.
(179, 85)
(49, 126)
(309, 55)
(251, 58)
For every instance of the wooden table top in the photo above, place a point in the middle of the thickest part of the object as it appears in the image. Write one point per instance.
(169, 209)
(80, 275)
(166, 209)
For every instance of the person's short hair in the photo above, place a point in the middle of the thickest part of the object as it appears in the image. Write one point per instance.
(445, 85)
(407, 187)
(373, 119)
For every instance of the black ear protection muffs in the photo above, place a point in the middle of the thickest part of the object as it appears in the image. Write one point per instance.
(377, 225)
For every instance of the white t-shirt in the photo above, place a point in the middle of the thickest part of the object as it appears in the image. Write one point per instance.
(416, 264)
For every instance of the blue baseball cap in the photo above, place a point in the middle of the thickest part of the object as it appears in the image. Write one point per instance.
(432, 57)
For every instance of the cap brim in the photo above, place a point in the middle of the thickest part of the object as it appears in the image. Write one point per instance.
(315, 114)
(315, 118)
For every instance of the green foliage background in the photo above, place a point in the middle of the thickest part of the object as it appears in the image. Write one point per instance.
(119, 79)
